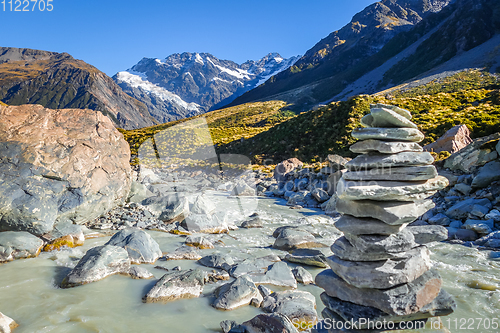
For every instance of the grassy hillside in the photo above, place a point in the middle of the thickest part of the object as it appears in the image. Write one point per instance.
(471, 98)
(271, 134)
(228, 125)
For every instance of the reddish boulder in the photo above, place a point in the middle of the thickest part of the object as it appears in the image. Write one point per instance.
(452, 141)
(57, 166)
(286, 167)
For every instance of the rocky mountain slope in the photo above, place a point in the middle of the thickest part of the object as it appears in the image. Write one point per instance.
(188, 84)
(386, 44)
(57, 81)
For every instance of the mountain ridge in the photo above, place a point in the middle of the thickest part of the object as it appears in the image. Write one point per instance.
(186, 84)
(57, 81)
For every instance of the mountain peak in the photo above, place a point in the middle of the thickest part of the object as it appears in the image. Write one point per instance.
(186, 84)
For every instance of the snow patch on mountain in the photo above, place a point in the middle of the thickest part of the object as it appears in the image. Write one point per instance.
(139, 80)
(212, 82)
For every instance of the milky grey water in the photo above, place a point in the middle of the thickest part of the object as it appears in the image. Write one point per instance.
(30, 295)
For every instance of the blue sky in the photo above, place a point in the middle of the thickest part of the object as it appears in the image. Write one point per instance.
(114, 35)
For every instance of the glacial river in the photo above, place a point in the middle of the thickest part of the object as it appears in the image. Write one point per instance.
(29, 291)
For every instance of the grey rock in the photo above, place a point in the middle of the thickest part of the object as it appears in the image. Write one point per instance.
(231, 326)
(183, 253)
(400, 242)
(291, 238)
(456, 224)
(255, 222)
(336, 162)
(390, 212)
(320, 195)
(472, 156)
(210, 224)
(332, 181)
(238, 293)
(298, 306)
(461, 209)
(491, 240)
(243, 189)
(382, 274)
(383, 117)
(18, 245)
(349, 224)
(97, 264)
(299, 198)
(402, 112)
(479, 226)
(428, 233)
(202, 205)
(404, 299)
(141, 247)
(396, 174)
(442, 305)
(302, 275)
(479, 211)
(278, 274)
(463, 188)
(176, 285)
(388, 190)
(198, 241)
(404, 159)
(169, 209)
(264, 291)
(489, 173)
(493, 215)
(345, 251)
(138, 272)
(439, 219)
(269, 323)
(217, 260)
(138, 192)
(7, 324)
(308, 257)
(399, 134)
(498, 148)
(384, 147)
(465, 235)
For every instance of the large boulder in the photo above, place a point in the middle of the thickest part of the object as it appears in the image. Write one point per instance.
(141, 247)
(98, 263)
(292, 238)
(18, 244)
(59, 165)
(452, 141)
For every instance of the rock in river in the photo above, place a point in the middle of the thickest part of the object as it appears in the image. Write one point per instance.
(141, 247)
(98, 263)
(240, 292)
(176, 285)
(18, 244)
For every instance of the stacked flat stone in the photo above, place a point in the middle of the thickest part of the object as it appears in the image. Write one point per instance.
(378, 270)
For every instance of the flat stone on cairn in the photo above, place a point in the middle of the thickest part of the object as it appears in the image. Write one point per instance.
(378, 267)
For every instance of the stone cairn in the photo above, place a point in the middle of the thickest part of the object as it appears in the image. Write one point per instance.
(380, 271)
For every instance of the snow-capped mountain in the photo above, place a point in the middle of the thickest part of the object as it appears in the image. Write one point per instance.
(187, 84)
